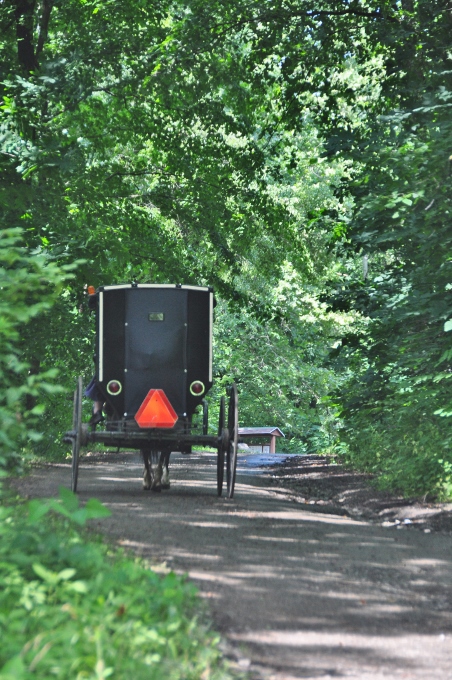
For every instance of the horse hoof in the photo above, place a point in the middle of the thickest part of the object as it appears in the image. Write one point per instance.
(146, 481)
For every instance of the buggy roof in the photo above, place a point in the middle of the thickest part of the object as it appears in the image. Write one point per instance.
(179, 286)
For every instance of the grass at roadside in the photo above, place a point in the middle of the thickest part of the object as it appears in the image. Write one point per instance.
(73, 607)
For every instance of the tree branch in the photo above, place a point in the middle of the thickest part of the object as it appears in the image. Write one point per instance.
(272, 16)
(44, 25)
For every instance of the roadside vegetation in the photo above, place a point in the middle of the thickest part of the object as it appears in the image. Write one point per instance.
(73, 607)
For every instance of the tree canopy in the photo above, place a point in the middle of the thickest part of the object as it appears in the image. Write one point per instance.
(264, 148)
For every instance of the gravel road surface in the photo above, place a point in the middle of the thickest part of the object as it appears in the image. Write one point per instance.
(296, 590)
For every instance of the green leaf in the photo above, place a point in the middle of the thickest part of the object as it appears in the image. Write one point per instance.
(36, 510)
(95, 509)
(69, 499)
(38, 410)
(14, 669)
(45, 574)
(79, 516)
(29, 170)
(66, 574)
(78, 586)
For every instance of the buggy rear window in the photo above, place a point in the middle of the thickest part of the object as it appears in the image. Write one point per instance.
(156, 316)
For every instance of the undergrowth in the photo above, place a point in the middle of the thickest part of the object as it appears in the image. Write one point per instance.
(73, 607)
(412, 457)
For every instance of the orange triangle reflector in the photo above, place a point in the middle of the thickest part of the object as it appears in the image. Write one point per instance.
(156, 411)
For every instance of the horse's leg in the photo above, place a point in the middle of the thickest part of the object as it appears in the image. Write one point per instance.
(164, 460)
(147, 473)
(156, 467)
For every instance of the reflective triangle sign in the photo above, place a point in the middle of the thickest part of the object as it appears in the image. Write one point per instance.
(156, 411)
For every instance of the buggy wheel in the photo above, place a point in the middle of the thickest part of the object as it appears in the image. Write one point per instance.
(77, 432)
(233, 428)
(221, 449)
(205, 416)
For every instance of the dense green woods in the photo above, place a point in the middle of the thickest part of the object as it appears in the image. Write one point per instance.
(295, 156)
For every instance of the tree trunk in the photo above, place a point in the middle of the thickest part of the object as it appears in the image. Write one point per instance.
(24, 10)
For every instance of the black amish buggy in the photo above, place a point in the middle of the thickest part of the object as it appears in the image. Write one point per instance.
(153, 370)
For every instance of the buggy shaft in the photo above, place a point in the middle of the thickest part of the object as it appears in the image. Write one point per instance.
(152, 439)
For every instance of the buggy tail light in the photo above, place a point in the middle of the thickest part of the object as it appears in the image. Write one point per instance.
(156, 411)
(197, 388)
(114, 387)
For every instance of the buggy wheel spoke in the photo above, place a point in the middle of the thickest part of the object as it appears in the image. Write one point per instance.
(77, 430)
(221, 448)
(233, 427)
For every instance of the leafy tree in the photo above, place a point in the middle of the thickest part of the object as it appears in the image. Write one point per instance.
(240, 145)
(30, 283)
(153, 160)
(397, 404)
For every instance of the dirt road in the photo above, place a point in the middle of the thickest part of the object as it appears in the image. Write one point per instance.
(296, 591)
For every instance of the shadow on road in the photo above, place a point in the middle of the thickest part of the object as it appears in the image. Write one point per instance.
(297, 592)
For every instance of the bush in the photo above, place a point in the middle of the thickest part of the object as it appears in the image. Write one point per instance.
(30, 283)
(409, 452)
(75, 608)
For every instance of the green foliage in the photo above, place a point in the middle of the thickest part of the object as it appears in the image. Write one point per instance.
(29, 283)
(138, 138)
(403, 445)
(63, 338)
(230, 144)
(163, 163)
(74, 608)
(398, 402)
(68, 506)
(280, 363)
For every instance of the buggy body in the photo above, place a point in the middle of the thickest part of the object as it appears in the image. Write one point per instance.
(153, 368)
(158, 337)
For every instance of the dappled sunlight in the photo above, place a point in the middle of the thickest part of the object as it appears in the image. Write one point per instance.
(324, 642)
(274, 539)
(385, 609)
(425, 563)
(338, 580)
(207, 557)
(121, 480)
(376, 539)
(210, 577)
(136, 506)
(327, 587)
(297, 515)
(210, 525)
(209, 595)
(196, 483)
(126, 543)
(322, 581)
